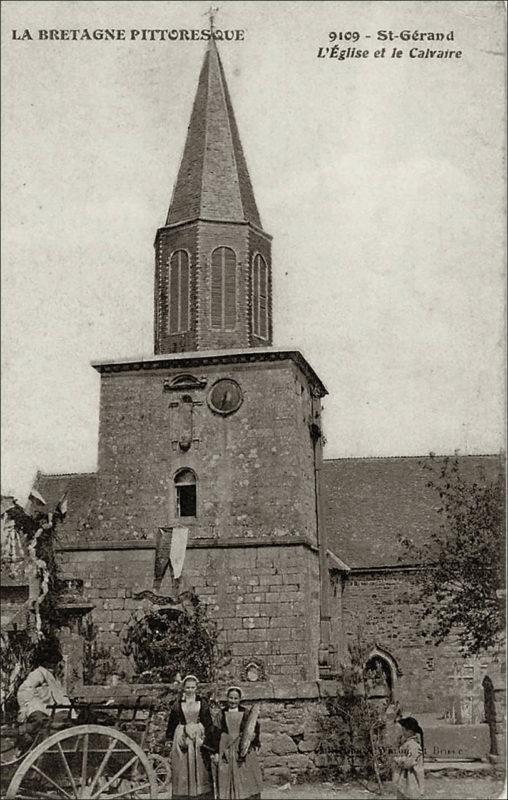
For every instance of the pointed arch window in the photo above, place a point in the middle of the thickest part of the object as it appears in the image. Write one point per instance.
(223, 289)
(380, 675)
(259, 297)
(179, 292)
(185, 485)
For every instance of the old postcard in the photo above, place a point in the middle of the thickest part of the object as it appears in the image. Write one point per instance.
(253, 399)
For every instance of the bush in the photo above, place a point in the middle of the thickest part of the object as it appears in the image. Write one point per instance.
(353, 733)
(167, 642)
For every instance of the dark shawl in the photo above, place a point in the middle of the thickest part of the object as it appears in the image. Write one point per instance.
(177, 717)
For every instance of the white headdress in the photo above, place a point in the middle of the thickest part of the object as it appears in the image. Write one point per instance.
(189, 678)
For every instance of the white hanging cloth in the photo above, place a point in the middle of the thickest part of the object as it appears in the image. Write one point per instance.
(178, 549)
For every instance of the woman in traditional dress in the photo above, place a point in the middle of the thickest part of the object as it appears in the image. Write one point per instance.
(191, 730)
(239, 774)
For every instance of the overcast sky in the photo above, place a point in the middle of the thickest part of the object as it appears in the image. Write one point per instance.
(381, 181)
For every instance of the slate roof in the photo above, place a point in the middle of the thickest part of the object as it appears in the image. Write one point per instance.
(213, 181)
(369, 502)
(81, 502)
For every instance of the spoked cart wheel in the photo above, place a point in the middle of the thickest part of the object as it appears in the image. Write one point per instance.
(87, 761)
(162, 769)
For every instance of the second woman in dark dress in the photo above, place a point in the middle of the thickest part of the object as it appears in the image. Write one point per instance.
(239, 774)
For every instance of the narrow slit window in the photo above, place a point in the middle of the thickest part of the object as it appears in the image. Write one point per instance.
(223, 289)
(186, 495)
(260, 297)
(179, 292)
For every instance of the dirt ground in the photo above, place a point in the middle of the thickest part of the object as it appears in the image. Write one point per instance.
(468, 788)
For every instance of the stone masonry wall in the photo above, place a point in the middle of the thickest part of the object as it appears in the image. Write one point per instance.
(428, 679)
(289, 727)
(254, 468)
(263, 598)
(290, 739)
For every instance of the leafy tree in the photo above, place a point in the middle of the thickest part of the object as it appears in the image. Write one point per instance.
(28, 551)
(461, 583)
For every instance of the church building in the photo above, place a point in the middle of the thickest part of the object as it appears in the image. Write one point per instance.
(211, 478)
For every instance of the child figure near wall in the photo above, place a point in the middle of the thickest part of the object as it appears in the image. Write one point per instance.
(409, 775)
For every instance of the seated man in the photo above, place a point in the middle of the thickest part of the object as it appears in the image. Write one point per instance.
(38, 692)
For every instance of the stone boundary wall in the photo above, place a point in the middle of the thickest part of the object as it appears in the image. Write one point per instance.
(289, 720)
(291, 726)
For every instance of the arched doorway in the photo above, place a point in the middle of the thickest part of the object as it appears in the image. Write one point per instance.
(379, 680)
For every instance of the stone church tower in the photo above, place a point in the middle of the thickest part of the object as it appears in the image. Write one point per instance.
(215, 440)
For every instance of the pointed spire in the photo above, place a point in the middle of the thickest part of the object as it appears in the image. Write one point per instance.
(213, 181)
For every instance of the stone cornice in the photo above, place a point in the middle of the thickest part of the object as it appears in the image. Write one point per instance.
(193, 221)
(262, 690)
(193, 544)
(211, 357)
(387, 568)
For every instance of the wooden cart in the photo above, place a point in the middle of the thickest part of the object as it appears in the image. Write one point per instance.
(90, 750)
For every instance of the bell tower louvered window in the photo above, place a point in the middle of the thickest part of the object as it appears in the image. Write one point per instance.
(260, 297)
(179, 292)
(223, 289)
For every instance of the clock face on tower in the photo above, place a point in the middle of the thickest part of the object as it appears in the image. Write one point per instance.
(225, 396)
